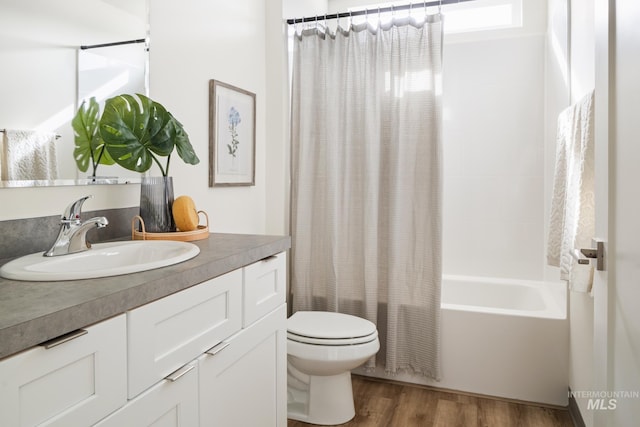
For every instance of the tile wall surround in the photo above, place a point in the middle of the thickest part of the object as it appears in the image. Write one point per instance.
(25, 236)
(493, 168)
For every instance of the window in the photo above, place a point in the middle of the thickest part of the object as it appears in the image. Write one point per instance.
(468, 16)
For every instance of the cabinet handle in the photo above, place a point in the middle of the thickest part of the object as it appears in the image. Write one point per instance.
(175, 376)
(269, 258)
(217, 348)
(64, 338)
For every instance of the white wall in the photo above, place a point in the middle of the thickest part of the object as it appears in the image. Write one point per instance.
(493, 157)
(192, 42)
(493, 102)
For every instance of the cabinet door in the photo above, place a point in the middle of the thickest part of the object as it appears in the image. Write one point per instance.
(171, 403)
(265, 285)
(71, 383)
(244, 384)
(166, 334)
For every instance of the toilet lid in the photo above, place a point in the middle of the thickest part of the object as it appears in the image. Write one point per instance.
(330, 326)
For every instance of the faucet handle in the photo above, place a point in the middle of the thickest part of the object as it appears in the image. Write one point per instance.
(73, 211)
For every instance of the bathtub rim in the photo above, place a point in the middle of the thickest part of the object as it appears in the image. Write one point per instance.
(553, 293)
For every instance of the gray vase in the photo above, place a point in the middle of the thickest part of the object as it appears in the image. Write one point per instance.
(156, 203)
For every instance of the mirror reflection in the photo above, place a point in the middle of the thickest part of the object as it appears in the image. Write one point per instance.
(45, 75)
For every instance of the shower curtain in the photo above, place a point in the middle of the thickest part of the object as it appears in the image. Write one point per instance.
(366, 182)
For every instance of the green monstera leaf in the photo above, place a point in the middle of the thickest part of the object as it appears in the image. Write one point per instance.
(89, 146)
(138, 131)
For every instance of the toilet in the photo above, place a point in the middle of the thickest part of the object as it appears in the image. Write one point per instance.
(322, 349)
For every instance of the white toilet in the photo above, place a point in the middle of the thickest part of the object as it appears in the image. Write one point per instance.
(322, 349)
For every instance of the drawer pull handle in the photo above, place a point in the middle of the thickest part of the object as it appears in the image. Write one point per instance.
(269, 258)
(64, 338)
(217, 348)
(175, 376)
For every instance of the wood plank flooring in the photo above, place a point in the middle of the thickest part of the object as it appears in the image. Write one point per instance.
(387, 404)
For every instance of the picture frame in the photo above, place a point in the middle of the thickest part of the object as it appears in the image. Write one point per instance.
(232, 135)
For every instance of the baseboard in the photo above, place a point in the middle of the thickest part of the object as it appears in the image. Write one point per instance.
(574, 411)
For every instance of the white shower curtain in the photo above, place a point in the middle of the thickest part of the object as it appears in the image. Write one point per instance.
(366, 182)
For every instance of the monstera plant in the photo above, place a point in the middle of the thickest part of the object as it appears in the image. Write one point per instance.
(137, 132)
(89, 146)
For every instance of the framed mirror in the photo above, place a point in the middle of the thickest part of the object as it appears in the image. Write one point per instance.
(45, 74)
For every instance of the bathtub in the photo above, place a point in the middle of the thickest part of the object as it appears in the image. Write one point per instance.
(502, 337)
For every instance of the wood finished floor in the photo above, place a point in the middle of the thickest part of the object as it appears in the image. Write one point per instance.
(385, 404)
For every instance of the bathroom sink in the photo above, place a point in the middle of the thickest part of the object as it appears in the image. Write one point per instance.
(102, 260)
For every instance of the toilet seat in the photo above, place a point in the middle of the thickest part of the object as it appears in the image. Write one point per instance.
(331, 329)
(328, 341)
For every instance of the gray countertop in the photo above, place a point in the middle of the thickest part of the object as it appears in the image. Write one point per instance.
(34, 312)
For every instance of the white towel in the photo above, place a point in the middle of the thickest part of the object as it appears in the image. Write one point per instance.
(572, 220)
(28, 155)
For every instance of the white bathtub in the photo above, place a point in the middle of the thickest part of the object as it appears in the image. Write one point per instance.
(503, 337)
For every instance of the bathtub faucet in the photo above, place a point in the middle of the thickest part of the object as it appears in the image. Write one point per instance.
(72, 236)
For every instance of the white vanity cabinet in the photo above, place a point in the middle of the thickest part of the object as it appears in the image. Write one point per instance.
(166, 334)
(213, 354)
(265, 285)
(243, 381)
(74, 380)
(173, 402)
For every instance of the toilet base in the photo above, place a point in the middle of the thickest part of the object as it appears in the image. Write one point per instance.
(323, 400)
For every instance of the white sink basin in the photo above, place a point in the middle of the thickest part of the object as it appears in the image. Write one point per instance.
(102, 260)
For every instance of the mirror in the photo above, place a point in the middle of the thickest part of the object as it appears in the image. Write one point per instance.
(44, 73)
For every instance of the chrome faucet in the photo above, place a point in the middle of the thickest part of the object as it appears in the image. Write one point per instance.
(72, 236)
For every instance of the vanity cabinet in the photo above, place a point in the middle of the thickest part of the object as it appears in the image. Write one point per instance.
(166, 334)
(265, 285)
(74, 380)
(213, 354)
(244, 382)
(173, 402)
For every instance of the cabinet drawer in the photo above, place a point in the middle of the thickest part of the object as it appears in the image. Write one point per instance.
(244, 383)
(75, 383)
(166, 334)
(171, 402)
(265, 285)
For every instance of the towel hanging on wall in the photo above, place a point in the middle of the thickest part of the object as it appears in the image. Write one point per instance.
(28, 155)
(572, 219)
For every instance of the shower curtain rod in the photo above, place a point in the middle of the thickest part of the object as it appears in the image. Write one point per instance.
(93, 46)
(292, 21)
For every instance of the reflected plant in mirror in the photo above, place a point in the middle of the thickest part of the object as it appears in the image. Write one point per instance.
(89, 145)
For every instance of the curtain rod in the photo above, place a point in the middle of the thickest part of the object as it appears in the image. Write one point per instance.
(93, 46)
(373, 11)
(4, 130)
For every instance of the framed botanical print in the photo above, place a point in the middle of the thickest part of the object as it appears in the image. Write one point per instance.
(232, 135)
